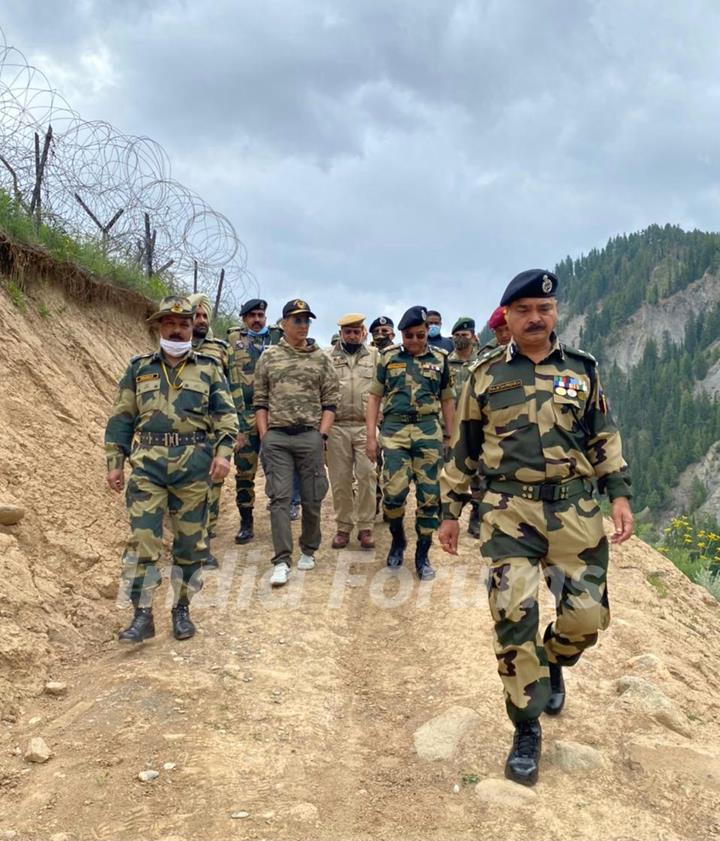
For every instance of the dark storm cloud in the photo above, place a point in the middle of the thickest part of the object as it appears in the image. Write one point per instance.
(374, 155)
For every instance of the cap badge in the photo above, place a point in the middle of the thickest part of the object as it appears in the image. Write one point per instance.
(382, 320)
(301, 305)
(546, 284)
(423, 314)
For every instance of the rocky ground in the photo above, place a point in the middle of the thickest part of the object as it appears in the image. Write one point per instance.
(354, 704)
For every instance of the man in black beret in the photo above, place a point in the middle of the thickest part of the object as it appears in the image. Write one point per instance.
(382, 332)
(535, 422)
(247, 343)
(412, 386)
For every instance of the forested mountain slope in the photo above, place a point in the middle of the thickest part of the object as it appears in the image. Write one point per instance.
(648, 306)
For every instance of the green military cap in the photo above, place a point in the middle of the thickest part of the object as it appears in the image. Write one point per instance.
(465, 322)
(173, 305)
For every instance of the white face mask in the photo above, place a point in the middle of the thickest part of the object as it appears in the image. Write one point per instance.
(175, 348)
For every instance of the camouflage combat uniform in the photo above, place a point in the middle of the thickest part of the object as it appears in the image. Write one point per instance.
(540, 433)
(244, 352)
(218, 350)
(170, 435)
(295, 386)
(460, 371)
(411, 388)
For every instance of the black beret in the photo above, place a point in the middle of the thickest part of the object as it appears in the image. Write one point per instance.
(253, 304)
(533, 283)
(381, 321)
(412, 318)
(463, 323)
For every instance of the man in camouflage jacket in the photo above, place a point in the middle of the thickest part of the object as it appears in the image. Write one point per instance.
(174, 420)
(533, 416)
(295, 399)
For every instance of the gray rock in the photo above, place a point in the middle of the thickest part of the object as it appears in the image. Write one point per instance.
(10, 514)
(640, 697)
(439, 738)
(575, 757)
(37, 750)
(148, 776)
(55, 687)
(505, 793)
(304, 812)
(240, 815)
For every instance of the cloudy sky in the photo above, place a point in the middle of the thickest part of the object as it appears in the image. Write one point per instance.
(380, 153)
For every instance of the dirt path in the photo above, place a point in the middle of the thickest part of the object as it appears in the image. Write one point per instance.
(300, 706)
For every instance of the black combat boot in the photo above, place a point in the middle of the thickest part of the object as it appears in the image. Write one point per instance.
(183, 627)
(245, 532)
(556, 701)
(524, 758)
(474, 523)
(395, 556)
(422, 563)
(141, 628)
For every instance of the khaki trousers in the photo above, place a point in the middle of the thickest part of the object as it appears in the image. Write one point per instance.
(347, 461)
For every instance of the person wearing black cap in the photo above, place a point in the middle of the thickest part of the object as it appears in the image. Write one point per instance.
(435, 339)
(246, 345)
(412, 383)
(534, 418)
(296, 397)
(382, 332)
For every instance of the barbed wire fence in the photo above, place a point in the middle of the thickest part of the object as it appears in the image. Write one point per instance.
(99, 184)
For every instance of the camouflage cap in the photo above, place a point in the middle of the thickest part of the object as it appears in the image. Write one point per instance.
(352, 319)
(178, 305)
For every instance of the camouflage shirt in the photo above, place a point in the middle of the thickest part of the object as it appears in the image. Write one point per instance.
(295, 385)
(146, 402)
(412, 383)
(460, 371)
(243, 355)
(218, 350)
(533, 423)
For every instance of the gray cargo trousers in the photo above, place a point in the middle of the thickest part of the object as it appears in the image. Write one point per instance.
(285, 450)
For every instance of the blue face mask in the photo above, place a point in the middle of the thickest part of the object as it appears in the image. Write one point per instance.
(433, 330)
(262, 332)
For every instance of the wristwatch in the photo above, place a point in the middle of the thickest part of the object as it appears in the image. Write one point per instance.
(324, 436)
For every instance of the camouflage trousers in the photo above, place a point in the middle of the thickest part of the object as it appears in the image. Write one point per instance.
(173, 481)
(412, 452)
(213, 508)
(565, 542)
(246, 462)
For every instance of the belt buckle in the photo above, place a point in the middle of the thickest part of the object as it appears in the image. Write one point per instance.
(172, 439)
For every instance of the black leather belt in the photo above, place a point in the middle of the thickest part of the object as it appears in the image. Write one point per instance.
(292, 430)
(409, 417)
(171, 439)
(548, 492)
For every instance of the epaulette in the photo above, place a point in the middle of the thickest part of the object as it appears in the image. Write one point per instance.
(485, 357)
(389, 348)
(205, 357)
(583, 354)
(440, 350)
(139, 356)
(221, 342)
(236, 329)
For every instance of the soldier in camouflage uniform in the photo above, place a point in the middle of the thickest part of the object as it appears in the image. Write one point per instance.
(174, 420)
(296, 396)
(534, 418)
(204, 342)
(412, 383)
(247, 344)
(460, 360)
